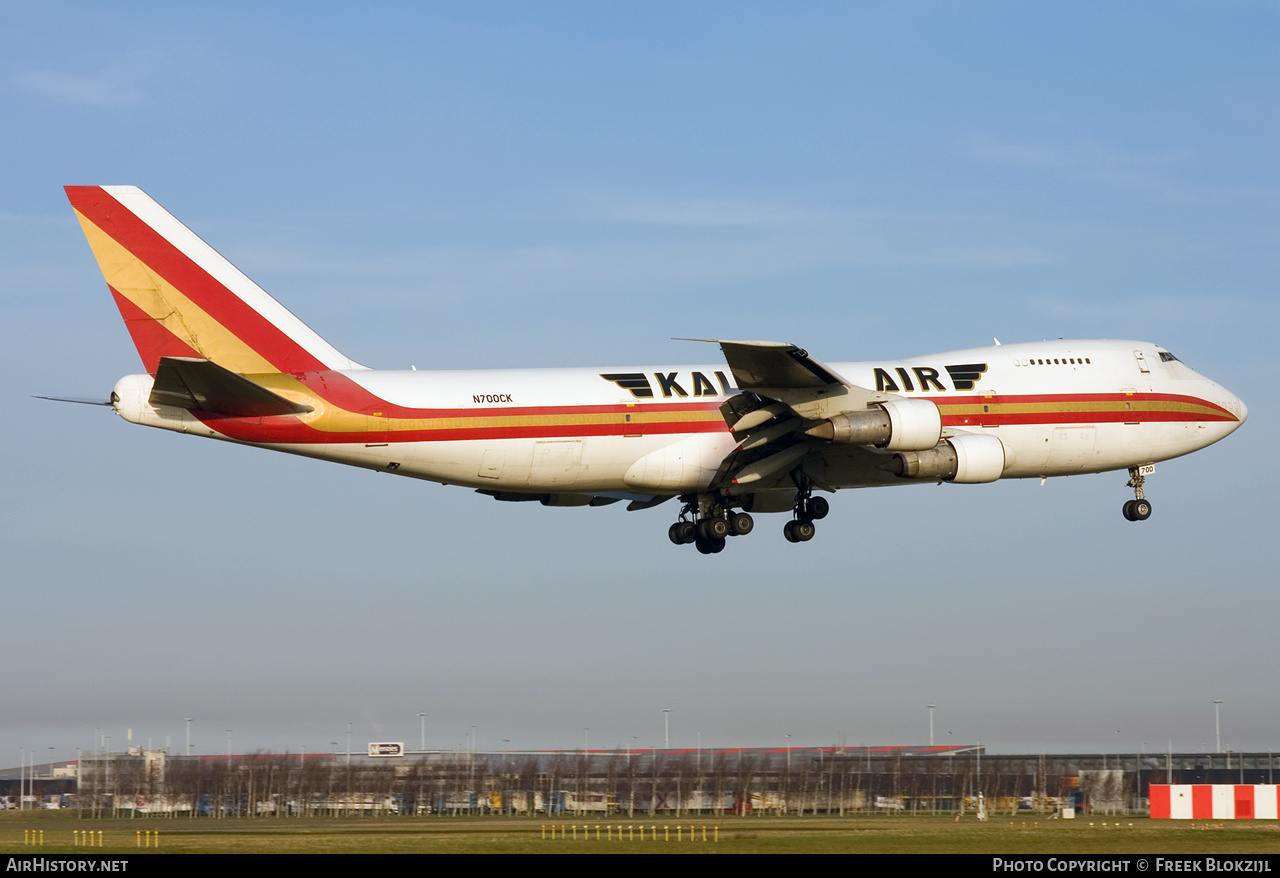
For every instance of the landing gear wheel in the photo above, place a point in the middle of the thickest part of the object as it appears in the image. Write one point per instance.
(1137, 510)
(713, 529)
(816, 508)
(709, 546)
(798, 531)
(682, 533)
(740, 524)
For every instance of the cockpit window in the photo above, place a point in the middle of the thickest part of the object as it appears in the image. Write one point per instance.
(1166, 357)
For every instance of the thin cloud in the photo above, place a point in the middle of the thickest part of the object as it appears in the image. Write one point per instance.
(989, 257)
(115, 85)
(707, 212)
(1087, 160)
(1168, 310)
(24, 219)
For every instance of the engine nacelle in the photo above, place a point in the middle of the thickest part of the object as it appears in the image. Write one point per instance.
(970, 458)
(898, 425)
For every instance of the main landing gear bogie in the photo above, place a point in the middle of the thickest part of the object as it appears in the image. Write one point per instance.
(808, 509)
(708, 526)
(707, 522)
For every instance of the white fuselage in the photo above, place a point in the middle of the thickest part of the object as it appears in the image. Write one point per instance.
(1057, 407)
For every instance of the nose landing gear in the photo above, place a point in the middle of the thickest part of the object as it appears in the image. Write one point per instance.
(1139, 508)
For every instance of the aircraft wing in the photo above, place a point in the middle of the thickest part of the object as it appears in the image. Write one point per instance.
(785, 392)
(760, 365)
(785, 373)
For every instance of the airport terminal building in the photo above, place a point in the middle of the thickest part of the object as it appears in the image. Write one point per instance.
(800, 780)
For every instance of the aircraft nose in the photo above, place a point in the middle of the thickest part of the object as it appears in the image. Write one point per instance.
(1236, 406)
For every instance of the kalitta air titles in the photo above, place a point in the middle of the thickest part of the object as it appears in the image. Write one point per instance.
(926, 378)
(671, 384)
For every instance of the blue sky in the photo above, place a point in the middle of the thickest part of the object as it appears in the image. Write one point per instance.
(478, 185)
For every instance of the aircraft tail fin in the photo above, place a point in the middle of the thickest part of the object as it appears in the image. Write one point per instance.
(181, 299)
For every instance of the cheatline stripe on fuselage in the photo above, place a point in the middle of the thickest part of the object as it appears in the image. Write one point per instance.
(442, 425)
(1077, 408)
(450, 425)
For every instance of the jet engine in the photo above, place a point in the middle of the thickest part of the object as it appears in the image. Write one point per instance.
(898, 425)
(969, 458)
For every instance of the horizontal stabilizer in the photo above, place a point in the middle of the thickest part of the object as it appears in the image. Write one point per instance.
(189, 383)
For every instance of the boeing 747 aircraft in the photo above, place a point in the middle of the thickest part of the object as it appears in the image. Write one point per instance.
(764, 431)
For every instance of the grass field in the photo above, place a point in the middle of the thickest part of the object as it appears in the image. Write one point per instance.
(879, 835)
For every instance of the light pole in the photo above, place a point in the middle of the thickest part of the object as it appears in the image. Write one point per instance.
(931, 724)
(422, 730)
(348, 743)
(188, 736)
(107, 782)
(1142, 757)
(666, 728)
(1217, 724)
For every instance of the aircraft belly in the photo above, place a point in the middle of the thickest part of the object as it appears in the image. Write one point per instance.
(351, 453)
(1027, 449)
(688, 464)
(1091, 448)
(1072, 448)
(583, 464)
